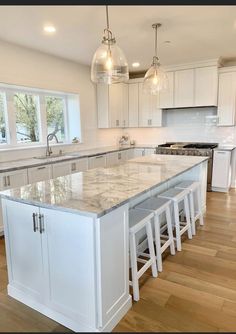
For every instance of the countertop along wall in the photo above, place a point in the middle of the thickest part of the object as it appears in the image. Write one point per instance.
(26, 67)
(189, 124)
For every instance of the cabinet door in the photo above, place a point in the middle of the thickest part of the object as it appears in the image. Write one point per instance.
(116, 105)
(221, 174)
(14, 179)
(149, 151)
(167, 96)
(145, 107)
(111, 159)
(61, 169)
(226, 99)
(24, 251)
(156, 112)
(80, 165)
(206, 84)
(103, 106)
(69, 248)
(133, 104)
(125, 110)
(36, 174)
(97, 161)
(139, 152)
(184, 88)
(122, 156)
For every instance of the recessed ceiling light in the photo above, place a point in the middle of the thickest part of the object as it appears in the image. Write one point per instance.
(49, 29)
(136, 64)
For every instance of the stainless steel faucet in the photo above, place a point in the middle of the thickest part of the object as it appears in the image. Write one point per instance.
(50, 137)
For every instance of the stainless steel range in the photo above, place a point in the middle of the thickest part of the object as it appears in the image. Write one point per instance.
(200, 149)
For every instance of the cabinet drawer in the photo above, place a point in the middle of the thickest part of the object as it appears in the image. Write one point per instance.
(97, 161)
(40, 173)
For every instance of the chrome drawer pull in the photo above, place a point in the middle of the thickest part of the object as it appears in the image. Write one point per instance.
(41, 223)
(35, 221)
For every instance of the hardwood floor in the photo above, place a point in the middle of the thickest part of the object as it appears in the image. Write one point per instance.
(195, 292)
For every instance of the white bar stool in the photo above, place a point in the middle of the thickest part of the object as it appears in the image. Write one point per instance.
(162, 242)
(139, 219)
(195, 189)
(177, 196)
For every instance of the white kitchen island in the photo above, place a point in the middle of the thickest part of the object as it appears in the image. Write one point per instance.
(67, 238)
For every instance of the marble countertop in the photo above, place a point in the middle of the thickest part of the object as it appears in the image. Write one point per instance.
(34, 162)
(101, 190)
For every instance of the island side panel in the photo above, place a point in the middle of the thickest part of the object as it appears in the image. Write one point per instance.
(113, 267)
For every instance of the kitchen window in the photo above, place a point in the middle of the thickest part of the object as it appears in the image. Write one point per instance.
(28, 115)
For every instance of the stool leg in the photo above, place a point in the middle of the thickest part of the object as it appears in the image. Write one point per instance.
(158, 242)
(186, 208)
(170, 232)
(200, 206)
(134, 268)
(151, 249)
(192, 213)
(177, 227)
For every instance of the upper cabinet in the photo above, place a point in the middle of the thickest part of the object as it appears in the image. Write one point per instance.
(133, 104)
(184, 88)
(167, 95)
(206, 85)
(226, 98)
(150, 113)
(112, 105)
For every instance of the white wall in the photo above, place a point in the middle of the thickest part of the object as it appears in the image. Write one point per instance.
(192, 124)
(23, 66)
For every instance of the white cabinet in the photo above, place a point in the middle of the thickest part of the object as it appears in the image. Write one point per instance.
(80, 165)
(226, 99)
(149, 151)
(206, 86)
(167, 95)
(184, 88)
(112, 105)
(116, 158)
(97, 161)
(139, 152)
(221, 173)
(72, 268)
(133, 104)
(61, 169)
(13, 179)
(150, 114)
(41, 173)
(130, 153)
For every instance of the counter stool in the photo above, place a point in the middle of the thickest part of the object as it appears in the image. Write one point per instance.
(162, 242)
(139, 219)
(195, 189)
(177, 196)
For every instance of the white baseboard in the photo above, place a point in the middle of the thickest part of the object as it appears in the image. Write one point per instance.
(65, 321)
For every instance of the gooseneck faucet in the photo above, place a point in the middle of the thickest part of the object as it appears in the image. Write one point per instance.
(50, 137)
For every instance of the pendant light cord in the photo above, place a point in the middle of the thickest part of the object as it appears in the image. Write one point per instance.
(155, 41)
(107, 16)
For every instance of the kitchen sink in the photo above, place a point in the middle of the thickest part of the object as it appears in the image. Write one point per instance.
(52, 156)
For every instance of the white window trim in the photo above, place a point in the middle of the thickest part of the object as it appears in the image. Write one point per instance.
(10, 117)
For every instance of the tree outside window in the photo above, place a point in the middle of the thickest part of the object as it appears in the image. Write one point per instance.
(27, 125)
(3, 136)
(55, 116)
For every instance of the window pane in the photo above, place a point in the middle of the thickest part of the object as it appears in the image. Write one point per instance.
(27, 125)
(55, 116)
(3, 135)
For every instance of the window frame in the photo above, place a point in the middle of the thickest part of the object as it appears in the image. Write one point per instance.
(10, 116)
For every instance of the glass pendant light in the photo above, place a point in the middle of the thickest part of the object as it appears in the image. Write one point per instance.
(155, 78)
(109, 64)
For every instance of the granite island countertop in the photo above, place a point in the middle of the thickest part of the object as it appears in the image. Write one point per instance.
(101, 190)
(35, 162)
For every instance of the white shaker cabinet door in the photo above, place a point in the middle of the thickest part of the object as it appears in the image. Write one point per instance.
(206, 85)
(61, 169)
(41, 173)
(226, 99)
(221, 173)
(14, 179)
(167, 95)
(68, 245)
(133, 104)
(184, 88)
(103, 106)
(24, 250)
(116, 105)
(80, 165)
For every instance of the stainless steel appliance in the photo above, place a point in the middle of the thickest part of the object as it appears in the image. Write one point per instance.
(182, 148)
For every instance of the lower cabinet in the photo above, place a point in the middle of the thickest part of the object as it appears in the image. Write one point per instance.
(13, 179)
(41, 173)
(139, 152)
(97, 161)
(62, 264)
(61, 169)
(221, 172)
(80, 165)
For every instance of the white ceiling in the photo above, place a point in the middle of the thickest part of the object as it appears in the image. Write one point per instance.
(196, 32)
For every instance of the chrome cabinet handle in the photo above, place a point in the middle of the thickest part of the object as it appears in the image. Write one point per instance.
(35, 221)
(41, 167)
(41, 223)
(117, 122)
(99, 156)
(119, 156)
(5, 181)
(8, 180)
